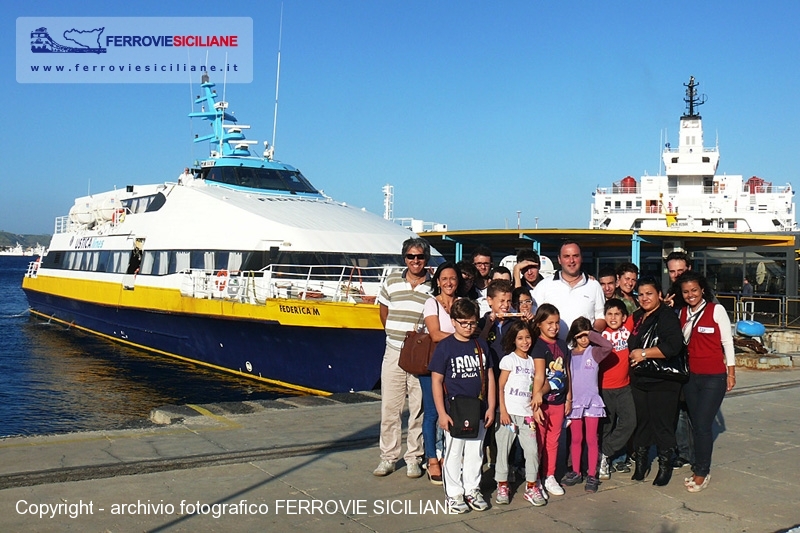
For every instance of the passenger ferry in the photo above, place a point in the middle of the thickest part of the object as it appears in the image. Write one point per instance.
(691, 196)
(242, 266)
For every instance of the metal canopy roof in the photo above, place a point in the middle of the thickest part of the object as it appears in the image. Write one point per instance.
(509, 241)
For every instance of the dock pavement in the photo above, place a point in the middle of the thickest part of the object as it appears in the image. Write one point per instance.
(305, 464)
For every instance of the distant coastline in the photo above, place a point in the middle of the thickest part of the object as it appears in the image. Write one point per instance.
(9, 240)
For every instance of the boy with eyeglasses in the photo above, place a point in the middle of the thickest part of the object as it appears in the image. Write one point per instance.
(460, 366)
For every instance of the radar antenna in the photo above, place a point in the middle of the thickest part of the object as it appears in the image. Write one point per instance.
(692, 98)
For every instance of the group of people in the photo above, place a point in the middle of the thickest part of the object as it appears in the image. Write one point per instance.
(609, 359)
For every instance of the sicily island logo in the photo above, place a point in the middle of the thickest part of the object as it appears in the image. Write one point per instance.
(82, 42)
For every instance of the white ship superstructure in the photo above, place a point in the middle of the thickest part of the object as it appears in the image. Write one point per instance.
(691, 196)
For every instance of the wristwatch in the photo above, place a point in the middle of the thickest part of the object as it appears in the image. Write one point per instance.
(644, 354)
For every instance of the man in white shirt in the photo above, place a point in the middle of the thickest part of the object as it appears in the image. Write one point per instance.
(572, 292)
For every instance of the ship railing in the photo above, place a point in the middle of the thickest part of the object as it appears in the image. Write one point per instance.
(33, 268)
(680, 150)
(336, 283)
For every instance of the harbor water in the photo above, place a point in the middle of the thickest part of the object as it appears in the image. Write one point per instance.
(54, 379)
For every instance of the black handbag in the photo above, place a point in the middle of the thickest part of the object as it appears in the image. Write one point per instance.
(466, 414)
(675, 368)
(465, 411)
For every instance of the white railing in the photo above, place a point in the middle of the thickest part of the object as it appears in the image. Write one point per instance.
(333, 283)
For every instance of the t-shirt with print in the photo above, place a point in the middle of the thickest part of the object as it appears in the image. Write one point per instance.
(615, 369)
(517, 392)
(462, 363)
(556, 357)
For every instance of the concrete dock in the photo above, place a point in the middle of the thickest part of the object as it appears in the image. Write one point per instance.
(305, 464)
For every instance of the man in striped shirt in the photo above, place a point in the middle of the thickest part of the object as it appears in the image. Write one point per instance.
(401, 300)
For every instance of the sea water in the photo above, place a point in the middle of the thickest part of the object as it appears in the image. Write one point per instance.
(56, 379)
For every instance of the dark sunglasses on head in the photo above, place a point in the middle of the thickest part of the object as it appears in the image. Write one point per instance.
(411, 257)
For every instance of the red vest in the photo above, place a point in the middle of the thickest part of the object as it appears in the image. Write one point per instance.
(706, 355)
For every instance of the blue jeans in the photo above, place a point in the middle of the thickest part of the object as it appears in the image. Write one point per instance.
(430, 418)
(704, 394)
(684, 433)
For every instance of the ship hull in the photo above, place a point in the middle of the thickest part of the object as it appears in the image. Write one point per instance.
(308, 358)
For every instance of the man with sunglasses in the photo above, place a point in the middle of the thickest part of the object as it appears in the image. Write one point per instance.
(402, 300)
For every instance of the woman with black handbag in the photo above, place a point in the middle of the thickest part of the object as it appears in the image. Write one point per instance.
(712, 368)
(656, 355)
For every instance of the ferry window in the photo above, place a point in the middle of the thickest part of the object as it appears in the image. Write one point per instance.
(298, 182)
(235, 261)
(103, 261)
(92, 260)
(638, 204)
(221, 260)
(77, 259)
(215, 174)
(268, 178)
(179, 261)
(617, 205)
(147, 262)
(628, 205)
(119, 262)
(202, 260)
(229, 176)
(161, 262)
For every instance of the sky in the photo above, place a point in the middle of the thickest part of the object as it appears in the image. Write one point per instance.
(471, 110)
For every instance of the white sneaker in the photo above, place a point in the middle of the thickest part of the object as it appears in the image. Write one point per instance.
(475, 500)
(542, 489)
(456, 505)
(552, 486)
(384, 468)
(413, 470)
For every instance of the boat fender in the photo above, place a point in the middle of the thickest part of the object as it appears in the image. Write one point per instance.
(222, 280)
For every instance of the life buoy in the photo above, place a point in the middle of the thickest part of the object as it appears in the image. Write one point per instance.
(118, 217)
(222, 280)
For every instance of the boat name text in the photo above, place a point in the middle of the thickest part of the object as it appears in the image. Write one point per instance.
(86, 242)
(299, 310)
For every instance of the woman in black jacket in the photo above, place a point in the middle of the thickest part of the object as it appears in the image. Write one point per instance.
(656, 335)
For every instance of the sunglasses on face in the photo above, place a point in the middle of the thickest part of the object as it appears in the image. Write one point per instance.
(411, 257)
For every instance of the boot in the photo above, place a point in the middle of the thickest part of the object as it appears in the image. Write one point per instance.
(664, 467)
(642, 464)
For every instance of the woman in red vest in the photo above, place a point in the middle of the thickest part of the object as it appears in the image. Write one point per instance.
(712, 368)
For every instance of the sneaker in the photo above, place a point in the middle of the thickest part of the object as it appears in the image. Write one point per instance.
(384, 468)
(534, 495)
(475, 500)
(604, 472)
(622, 467)
(413, 470)
(591, 484)
(552, 486)
(502, 493)
(542, 489)
(571, 478)
(456, 505)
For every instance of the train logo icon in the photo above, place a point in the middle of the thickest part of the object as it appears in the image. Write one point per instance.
(83, 42)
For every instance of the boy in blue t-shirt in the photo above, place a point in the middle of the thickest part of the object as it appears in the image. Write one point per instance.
(460, 366)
